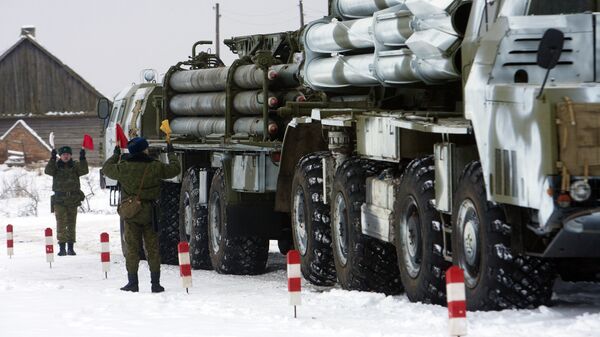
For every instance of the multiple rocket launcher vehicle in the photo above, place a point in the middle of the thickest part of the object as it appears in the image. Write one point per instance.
(388, 141)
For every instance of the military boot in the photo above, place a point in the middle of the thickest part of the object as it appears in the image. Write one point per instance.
(132, 285)
(61, 251)
(70, 250)
(155, 280)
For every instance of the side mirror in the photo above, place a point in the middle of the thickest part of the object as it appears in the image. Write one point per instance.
(550, 48)
(549, 52)
(103, 108)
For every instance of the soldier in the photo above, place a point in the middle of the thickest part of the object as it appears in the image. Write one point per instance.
(67, 194)
(140, 175)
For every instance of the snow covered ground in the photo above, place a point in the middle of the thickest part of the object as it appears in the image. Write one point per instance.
(74, 299)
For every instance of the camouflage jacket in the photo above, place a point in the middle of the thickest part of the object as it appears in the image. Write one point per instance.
(129, 169)
(65, 180)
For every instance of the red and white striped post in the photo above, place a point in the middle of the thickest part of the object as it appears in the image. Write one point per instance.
(9, 241)
(294, 278)
(49, 246)
(457, 304)
(105, 253)
(185, 267)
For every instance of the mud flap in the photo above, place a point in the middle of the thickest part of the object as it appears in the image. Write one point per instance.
(254, 220)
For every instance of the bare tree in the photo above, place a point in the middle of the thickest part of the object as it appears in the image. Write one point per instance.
(21, 187)
(88, 182)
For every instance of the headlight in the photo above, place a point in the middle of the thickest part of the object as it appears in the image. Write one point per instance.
(580, 191)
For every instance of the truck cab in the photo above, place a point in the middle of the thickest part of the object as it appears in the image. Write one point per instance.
(136, 109)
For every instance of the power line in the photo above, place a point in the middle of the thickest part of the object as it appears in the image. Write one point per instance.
(234, 13)
(315, 10)
(270, 23)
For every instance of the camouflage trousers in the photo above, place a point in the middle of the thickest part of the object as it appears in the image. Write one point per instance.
(134, 234)
(66, 219)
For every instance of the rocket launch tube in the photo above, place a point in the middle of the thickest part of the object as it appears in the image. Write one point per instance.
(204, 126)
(413, 42)
(215, 103)
(246, 77)
(390, 29)
(352, 9)
(339, 36)
(392, 68)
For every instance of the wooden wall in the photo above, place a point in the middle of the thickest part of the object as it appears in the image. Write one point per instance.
(20, 139)
(33, 81)
(68, 130)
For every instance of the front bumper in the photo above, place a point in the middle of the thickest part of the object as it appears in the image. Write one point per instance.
(578, 237)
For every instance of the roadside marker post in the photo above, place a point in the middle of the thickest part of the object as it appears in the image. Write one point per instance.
(49, 246)
(9, 241)
(457, 304)
(294, 278)
(105, 253)
(185, 267)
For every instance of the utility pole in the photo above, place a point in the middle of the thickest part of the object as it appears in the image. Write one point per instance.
(217, 38)
(301, 5)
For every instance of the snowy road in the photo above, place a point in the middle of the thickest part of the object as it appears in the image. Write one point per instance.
(74, 299)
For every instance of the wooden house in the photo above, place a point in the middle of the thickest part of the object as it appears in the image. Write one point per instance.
(21, 140)
(36, 87)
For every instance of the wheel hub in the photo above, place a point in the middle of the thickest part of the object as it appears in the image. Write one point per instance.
(299, 221)
(410, 236)
(215, 222)
(468, 226)
(187, 216)
(340, 228)
(470, 242)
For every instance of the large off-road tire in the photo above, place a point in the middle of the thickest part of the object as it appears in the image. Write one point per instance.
(168, 222)
(310, 221)
(239, 255)
(419, 237)
(361, 262)
(193, 220)
(495, 278)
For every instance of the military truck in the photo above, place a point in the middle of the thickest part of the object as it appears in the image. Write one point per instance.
(392, 139)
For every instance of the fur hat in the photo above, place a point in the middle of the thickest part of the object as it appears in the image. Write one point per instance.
(137, 145)
(65, 149)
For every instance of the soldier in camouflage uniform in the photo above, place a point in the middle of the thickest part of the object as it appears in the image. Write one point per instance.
(67, 194)
(129, 170)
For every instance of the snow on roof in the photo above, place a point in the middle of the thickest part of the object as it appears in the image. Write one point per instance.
(64, 113)
(30, 130)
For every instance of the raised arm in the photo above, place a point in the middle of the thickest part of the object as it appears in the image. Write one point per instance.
(82, 168)
(51, 166)
(110, 167)
(171, 169)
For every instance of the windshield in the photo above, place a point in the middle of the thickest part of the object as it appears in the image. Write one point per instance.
(113, 114)
(552, 7)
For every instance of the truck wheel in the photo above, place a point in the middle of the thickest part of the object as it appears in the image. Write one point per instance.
(168, 222)
(310, 221)
(419, 237)
(193, 220)
(361, 262)
(228, 254)
(495, 279)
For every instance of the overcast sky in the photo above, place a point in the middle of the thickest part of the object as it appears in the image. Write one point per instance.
(108, 42)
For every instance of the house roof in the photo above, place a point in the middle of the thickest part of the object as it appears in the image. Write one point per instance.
(32, 40)
(30, 130)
